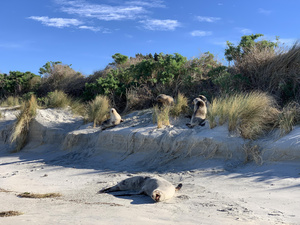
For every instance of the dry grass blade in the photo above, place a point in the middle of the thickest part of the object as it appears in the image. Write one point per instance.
(10, 213)
(32, 195)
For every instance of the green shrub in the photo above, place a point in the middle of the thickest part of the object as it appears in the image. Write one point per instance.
(98, 109)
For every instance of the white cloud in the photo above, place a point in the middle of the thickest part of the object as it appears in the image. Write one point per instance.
(207, 19)
(200, 33)
(149, 3)
(101, 11)
(244, 31)
(264, 11)
(163, 25)
(90, 28)
(56, 22)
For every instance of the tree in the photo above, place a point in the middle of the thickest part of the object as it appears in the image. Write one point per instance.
(236, 53)
(119, 59)
(48, 67)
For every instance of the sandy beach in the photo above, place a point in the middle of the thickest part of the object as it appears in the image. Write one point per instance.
(221, 184)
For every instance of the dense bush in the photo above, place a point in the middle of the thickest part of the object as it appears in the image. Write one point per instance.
(17, 83)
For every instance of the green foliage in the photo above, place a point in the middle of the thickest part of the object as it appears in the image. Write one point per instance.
(47, 69)
(18, 83)
(119, 59)
(247, 42)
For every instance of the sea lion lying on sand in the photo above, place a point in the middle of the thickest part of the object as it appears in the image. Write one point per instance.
(114, 119)
(157, 188)
(199, 115)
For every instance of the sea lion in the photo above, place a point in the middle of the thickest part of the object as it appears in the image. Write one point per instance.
(199, 115)
(203, 98)
(165, 99)
(114, 119)
(157, 188)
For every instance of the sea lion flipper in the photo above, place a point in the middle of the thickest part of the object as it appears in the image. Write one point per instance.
(179, 186)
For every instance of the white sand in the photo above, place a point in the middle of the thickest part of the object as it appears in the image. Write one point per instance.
(67, 157)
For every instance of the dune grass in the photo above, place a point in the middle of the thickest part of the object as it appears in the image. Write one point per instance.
(21, 126)
(288, 118)
(180, 106)
(10, 213)
(32, 195)
(98, 109)
(161, 116)
(11, 101)
(57, 99)
(248, 114)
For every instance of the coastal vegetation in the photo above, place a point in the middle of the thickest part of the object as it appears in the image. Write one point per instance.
(258, 91)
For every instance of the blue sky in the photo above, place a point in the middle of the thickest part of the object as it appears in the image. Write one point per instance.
(86, 33)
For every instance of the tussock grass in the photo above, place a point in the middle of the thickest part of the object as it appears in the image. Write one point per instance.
(57, 99)
(21, 126)
(78, 108)
(10, 213)
(252, 153)
(180, 106)
(32, 195)
(98, 109)
(161, 116)
(248, 114)
(275, 71)
(11, 101)
(288, 118)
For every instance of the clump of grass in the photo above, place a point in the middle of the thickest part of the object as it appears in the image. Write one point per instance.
(98, 109)
(21, 126)
(180, 106)
(249, 114)
(57, 99)
(11, 101)
(252, 153)
(161, 116)
(289, 117)
(78, 108)
(32, 195)
(10, 213)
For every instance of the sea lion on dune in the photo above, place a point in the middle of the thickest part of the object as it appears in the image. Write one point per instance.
(203, 98)
(157, 188)
(165, 99)
(114, 119)
(199, 115)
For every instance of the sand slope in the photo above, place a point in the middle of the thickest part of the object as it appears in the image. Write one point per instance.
(66, 156)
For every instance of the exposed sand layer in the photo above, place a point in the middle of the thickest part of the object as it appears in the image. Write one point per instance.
(220, 186)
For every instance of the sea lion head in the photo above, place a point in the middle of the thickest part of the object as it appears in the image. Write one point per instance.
(157, 195)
